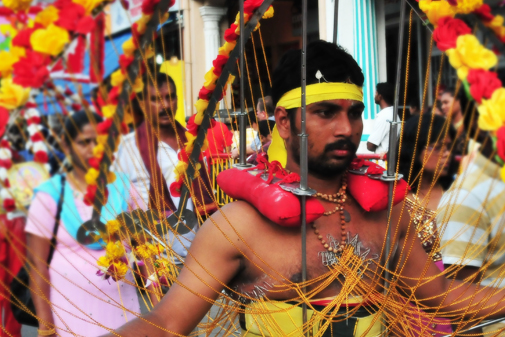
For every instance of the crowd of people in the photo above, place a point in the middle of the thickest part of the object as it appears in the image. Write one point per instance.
(456, 198)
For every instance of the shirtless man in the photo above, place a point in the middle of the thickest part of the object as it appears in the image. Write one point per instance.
(240, 250)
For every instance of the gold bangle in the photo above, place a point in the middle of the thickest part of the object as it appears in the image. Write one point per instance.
(46, 332)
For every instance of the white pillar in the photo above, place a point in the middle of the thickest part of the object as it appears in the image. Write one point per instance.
(211, 17)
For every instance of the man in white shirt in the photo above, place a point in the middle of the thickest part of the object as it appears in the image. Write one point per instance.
(378, 141)
(149, 155)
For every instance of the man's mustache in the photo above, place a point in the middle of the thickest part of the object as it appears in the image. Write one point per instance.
(341, 144)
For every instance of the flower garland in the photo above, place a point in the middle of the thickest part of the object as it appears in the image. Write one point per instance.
(36, 143)
(109, 107)
(8, 202)
(473, 61)
(231, 36)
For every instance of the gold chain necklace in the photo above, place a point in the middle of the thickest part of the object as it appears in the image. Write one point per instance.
(340, 199)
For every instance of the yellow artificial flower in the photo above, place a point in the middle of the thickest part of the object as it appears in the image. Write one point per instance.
(492, 111)
(269, 13)
(9, 58)
(142, 23)
(113, 226)
(226, 48)
(199, 117)
(120, 270)
(88, 5)
(12, 95)
(149, 52)
(91, 176)
(470, 54)
(180, 169)
(156, 249)
(98, 150)
(435, 10)
(502, 173)
(17, 5)
(200, 105)
(117, 78)
(138, 86)
(103, 261)
(129, 47)
(47, 16)
(198, 166)
(468, 6)
(143, 251)
(111, 177)
(109, 111)
(115, 250)
(210, 82)
(50, 41)
(102, 139)
(497, 25)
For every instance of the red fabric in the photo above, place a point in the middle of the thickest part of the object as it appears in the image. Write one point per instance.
(12, 252)
(218, 137)
(372, 194)
(278, 205)
(75, 63)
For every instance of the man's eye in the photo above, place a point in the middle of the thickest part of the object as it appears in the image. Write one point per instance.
(324, 113)
(355, 113)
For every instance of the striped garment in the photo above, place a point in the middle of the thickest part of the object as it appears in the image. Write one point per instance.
(472, 220)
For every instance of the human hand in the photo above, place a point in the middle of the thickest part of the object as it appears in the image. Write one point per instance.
(235, 153)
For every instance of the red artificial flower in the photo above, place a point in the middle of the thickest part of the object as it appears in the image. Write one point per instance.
(22, 38)
(22, 17)
(9, 205)
(192, 127)
(89, 197)
(85, 25)
(482, 83)
(31, 70)
(76, 107)
(35, 10)
(124, 62)
(37, 137)
(4, 143)
(251, 5)
(183, 156)
(4, 11)
(41, 157)
(484, 12)
(94, 163)
(61, 4)
(356, 164)
(103, 127)
(219, 63)
(33, 120)
(30, 105)
(6, 163)
(375, 169)
(447, 32)
(4, 119)
(7, 183)
(70, 16)
(135, 34)
(176, 188)
(500, 142)
(229, 34)
(205, 93)
(68, 92)
(113, 96)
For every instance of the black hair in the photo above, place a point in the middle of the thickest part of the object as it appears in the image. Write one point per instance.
(266, 105)
(74, 124)
(408, 146)
(414, 102)
(264, 127)
(387, 91)
(153, 76)
(334, 63)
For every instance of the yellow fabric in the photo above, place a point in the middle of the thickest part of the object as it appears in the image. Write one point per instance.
(315, 93)
(277, 149)
(285, 319)
(175, 69)
(321, 92)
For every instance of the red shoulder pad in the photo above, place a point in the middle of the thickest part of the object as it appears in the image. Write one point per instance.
(368, 190)
(280, 206)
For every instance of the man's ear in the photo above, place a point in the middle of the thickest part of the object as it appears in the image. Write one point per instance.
(64, 146)
(283, 122)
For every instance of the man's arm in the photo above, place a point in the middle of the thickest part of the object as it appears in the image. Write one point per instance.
(213, 260)
(371, 147)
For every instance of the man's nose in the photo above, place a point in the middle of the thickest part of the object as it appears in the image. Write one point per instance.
(342, 126)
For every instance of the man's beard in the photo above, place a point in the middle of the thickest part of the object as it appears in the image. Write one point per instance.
(320, 166)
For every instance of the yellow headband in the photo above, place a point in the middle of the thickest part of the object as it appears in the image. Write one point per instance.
(315, 93)
(321, 92)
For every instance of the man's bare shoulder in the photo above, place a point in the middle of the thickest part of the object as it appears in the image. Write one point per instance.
(239, 216)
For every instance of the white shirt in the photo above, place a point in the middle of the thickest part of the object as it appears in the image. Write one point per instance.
(380, 135)
(129, 161)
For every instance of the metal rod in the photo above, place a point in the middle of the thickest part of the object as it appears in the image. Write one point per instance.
(481, 325)
(243, 115)
(335, 21)
(304, 161)
(419, 15)
(391, 170)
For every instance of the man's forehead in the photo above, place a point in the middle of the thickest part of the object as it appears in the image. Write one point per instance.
(338, 103)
